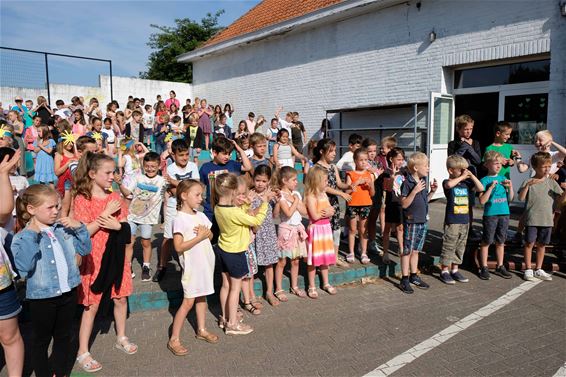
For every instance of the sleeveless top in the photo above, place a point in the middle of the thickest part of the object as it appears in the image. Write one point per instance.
(284, 152)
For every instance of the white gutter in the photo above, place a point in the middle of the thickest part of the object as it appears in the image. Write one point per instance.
(286, 26)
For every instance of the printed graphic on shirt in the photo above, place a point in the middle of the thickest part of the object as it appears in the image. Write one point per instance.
(461, 201)
(146, 203)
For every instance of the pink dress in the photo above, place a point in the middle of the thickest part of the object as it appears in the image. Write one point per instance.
(86, 211)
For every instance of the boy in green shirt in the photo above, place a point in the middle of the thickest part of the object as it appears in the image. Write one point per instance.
(502, 134)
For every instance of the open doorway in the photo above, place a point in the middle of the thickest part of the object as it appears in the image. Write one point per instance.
(484, 110)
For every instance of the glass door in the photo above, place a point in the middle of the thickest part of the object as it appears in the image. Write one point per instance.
(440, 133)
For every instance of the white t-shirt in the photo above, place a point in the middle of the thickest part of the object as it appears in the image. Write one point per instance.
(296, 218)
(147, 198)
(284, 124)
(110, 135)
(190, 171)
(198, 262)
(148, 120)
(346, 163)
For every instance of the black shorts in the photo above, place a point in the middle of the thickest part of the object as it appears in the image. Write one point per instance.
(495, 229)
(539, 234)
(235, 264)
(394, 213)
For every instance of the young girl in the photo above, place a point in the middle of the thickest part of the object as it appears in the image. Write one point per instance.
(267, 252)
(64, 157)
(104, 215)
(110, 136)
(234, 224)
(130, 156)
(191, 238)
(323, 155)
(43, 146)
(79, 127)
(45, 248)
(291, 232)
(242, 131)
(271, 135)
(320, 246)
(16, 122)
(204, 114)
(228, 111)
(283, 152)
(361, 181)
(390, 183)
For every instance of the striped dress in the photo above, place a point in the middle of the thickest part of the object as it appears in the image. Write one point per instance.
(320, 246)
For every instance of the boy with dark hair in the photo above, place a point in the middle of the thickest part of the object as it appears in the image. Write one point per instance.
(194, 137)
(540, 193)
(346, 163)
(134, 128)
(509, 155)
(180, 170)
(463, 144)
(147, 190)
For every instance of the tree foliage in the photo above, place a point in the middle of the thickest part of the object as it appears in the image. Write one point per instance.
(169, 42)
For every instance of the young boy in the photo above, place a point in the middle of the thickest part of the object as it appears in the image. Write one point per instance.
(258, 143)
(134, 128)
(463, 144)
(414, 200)
(194, 137)
(222, 129)
(496, 197)
(509, 155)
(180, 170)
(458, 189)
(346, 163)
(543, 142)
(147, 190)
(539, 193)
(250, 122)
(371, 146)
(148, 122)
(221, 163)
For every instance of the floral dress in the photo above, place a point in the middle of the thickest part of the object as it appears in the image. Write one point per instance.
(86, 211)
(333, 199)
(265, 243)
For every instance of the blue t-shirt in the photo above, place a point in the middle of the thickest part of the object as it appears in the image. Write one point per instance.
(417, 212)
(497, 203)
(458, 202)
(208, 172)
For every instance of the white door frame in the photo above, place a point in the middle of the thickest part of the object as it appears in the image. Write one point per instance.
(438, 152)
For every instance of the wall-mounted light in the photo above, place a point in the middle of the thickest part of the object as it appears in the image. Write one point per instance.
(432, 36)
(563, 8)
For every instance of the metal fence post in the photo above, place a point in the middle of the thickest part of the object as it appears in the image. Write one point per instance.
(111, 89)
(47, 78)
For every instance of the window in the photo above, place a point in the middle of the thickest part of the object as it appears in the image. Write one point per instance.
(527, 114)
(502, 74)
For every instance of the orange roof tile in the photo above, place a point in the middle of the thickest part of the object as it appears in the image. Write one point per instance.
(267, 13)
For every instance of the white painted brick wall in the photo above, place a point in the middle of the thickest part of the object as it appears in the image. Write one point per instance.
(384, 57)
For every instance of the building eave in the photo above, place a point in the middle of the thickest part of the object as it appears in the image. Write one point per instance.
(344, 9)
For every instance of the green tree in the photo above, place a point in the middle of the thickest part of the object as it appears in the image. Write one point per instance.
(169, 42)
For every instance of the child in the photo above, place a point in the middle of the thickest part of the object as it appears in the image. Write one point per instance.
(346, 163)
(258, 143)
(271, 135)
(7, 137)
(242, 130)
(129, 156)
(357, 211)
(496, 197)
(19, 184)
(135, 128)
(221, 163)
(323, 155)
(320, 246)
(539, 193)
(388, 195)
(463, 145)
(234, 224)
(182, 169)
(244, 144)
(267, 252)
(543, 142)
(458, 190)
(10, 307)
(204, 114)
(251, 123)
(195, 137)
(43, 146)
(97, 134)
(148, 122)
(414, 200)
(64, 157)
(508, 154)
(104, 216)
(43, 249)
(79, 127)
(283, 152)
(146, 190)
(111, 137)
(291, 235)
(191, 238)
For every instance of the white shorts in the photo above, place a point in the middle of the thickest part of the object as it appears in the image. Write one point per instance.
(170, 213)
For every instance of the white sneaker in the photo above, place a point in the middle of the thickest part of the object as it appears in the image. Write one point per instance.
(542, 275)
(528, 275)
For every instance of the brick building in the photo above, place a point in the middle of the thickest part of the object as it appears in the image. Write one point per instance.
(395, 67)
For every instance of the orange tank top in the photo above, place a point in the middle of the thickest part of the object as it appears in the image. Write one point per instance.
(360, 195)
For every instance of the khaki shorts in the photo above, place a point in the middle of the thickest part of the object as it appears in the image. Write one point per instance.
(454, 243)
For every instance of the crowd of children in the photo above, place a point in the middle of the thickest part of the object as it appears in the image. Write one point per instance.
(74, 229)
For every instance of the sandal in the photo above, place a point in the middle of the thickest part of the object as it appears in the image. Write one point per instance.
(330, 289)
(313, 293)
(364, 259)
(221, 322)
(251, 308)
(203, 334)
(273, 301)
(124, 344)
(281, 296)
(89, 366)
(175, 346)
(298, 292)
(350, 258)
(341, 263)
(257, 302)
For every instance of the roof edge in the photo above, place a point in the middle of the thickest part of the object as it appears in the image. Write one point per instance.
(283, 27)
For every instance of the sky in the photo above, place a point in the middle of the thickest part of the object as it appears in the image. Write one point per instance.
(104, 29)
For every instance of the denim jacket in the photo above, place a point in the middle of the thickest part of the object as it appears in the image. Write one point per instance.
(35, 261)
